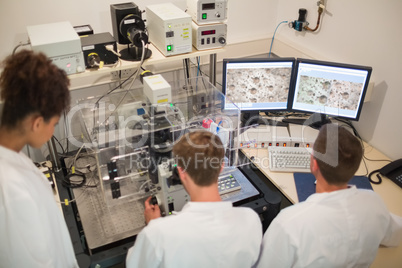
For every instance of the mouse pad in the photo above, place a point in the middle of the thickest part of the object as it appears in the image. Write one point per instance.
(305, 185)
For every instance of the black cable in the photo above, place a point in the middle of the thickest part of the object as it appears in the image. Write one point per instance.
(66, 129)
(87, 166)
(117, 87)
(347, 122)
(20, 45)
(377, 160)
(64, 152)
(378, 177)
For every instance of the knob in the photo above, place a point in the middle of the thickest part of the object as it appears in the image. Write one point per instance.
(154, 200)
(218, 15)
(222, 40)
(93, 60)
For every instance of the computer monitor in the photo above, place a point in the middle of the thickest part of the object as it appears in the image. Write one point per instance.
(257, 84)
(329, 88)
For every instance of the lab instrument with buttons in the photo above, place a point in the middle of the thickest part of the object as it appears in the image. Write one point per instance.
(129, 158)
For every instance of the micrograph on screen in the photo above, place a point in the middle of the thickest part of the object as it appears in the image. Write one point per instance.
(258, 84)
(329, 92)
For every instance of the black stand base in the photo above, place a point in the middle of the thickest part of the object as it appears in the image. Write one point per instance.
(134, 53)
(316, 120)
(254, 118)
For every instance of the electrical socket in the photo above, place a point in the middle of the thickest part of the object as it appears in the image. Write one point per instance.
(122, 74)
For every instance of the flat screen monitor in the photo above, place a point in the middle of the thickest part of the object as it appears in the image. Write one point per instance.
(328, 88)
(257, 84)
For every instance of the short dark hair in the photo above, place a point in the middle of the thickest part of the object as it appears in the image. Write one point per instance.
(31, 84)
(338, 153)
(200, 154)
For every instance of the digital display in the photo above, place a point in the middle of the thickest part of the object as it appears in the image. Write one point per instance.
(257, 84)
(209, 32)
(208, 6)
(334, 89)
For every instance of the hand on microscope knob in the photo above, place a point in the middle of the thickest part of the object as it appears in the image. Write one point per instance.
(152, 210)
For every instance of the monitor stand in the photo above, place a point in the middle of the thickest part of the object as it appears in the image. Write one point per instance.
(254, 118)
(316, 120)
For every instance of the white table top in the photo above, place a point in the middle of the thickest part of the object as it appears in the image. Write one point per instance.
(389, 191)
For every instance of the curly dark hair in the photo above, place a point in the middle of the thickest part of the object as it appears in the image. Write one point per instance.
(31, 84)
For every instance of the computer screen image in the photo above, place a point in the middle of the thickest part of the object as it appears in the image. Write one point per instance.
(257, 84)
(328, 88)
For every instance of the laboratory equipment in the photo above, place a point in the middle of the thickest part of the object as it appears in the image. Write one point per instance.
(169, 29)
(61, 43)
(209, 36)
(262, 136)
(99, 48)
(207, 11)
(128, 157)
(132, 137)
(129, 28)
(301, 22)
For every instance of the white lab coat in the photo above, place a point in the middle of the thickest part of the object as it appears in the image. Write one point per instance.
(203, 234)
(33, 232)
(338, 229)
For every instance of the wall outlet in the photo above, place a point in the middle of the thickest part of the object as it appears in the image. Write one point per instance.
(122, 74)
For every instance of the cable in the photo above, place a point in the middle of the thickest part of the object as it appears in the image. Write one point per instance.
(113, 51)
(378, 177)
(78, 179)
(272, 41)
(19, 45)
(125, 94)
(65, 128)
(110, 91)
(64, 152)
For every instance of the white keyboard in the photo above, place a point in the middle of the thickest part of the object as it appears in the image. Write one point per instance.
(289, 159)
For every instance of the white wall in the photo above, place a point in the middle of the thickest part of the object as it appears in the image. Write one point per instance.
(352, 31)
(365, 33)
(16, 15)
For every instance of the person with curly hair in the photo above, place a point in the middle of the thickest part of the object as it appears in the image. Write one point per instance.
(33, 232)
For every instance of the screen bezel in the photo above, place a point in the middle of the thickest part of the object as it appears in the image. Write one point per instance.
(330, 64)
(256, 60)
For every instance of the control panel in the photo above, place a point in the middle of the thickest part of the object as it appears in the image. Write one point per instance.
(171, 193)
(209, 36)
(207, 11)
(233, 186)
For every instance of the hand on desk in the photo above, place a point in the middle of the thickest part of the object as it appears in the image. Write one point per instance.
(151, 211)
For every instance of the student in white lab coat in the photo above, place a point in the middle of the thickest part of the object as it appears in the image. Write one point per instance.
(339, 225)
(33, 232)
(206, 232)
